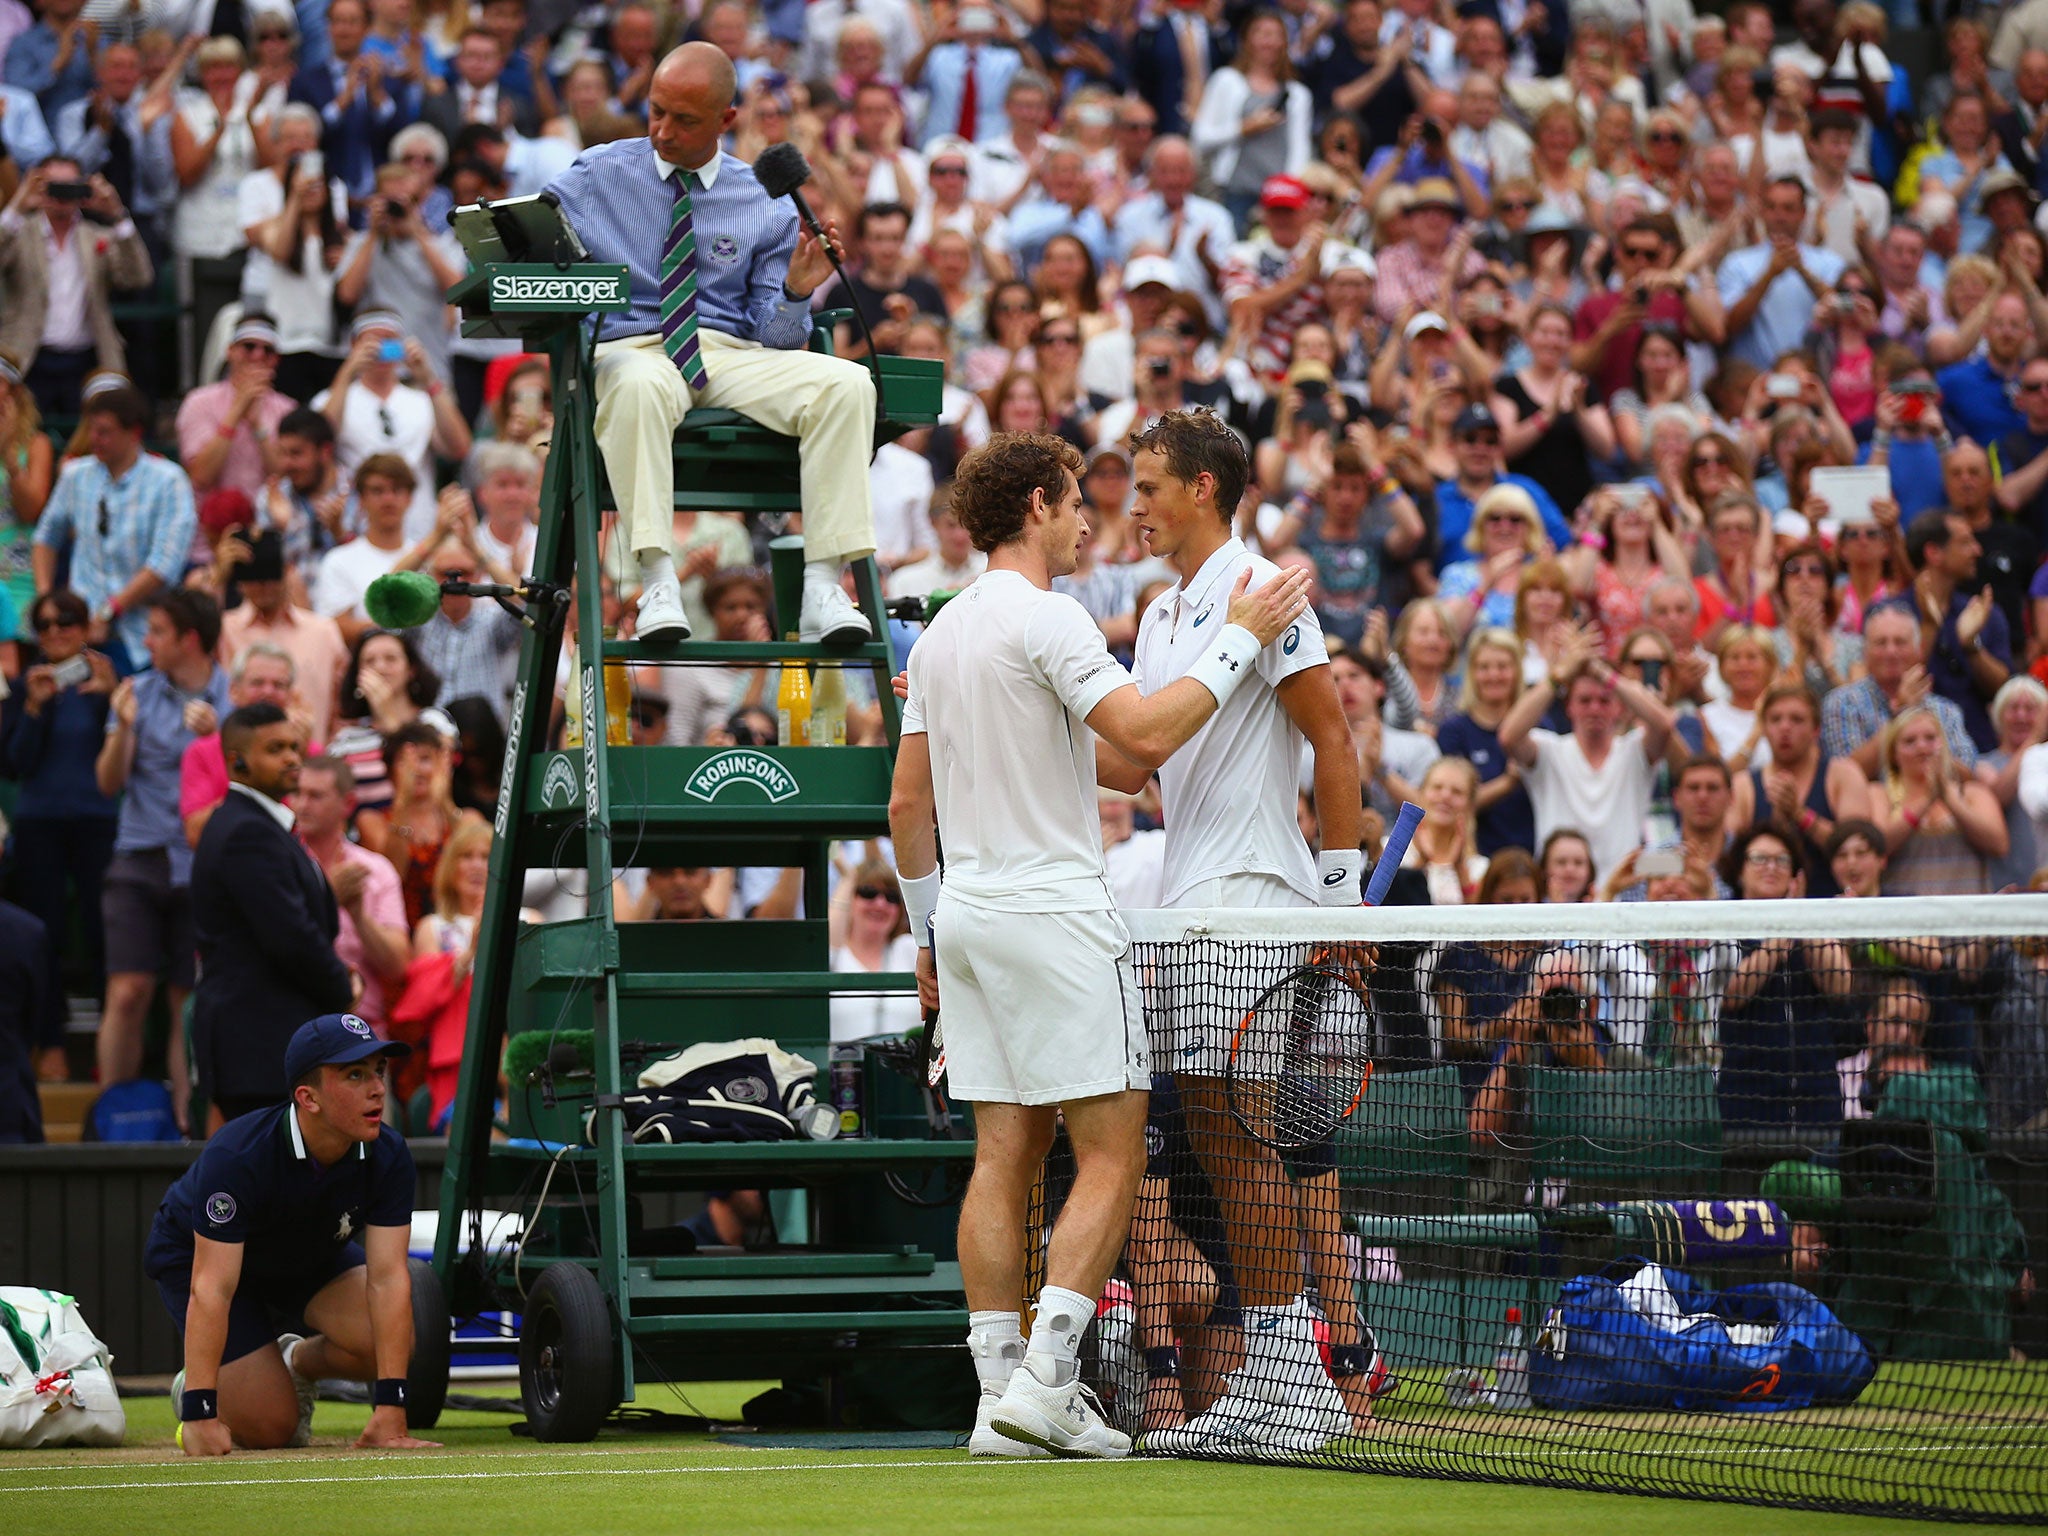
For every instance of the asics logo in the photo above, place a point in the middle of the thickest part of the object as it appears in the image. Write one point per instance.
(1202, 617)
(1336, 877)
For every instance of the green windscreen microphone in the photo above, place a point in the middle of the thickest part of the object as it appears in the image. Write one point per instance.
(402, 599)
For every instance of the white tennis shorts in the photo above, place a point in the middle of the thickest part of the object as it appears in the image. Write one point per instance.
(1038, 1007)
(1204, 992)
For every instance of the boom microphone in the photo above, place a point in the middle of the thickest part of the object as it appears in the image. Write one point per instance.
(402, 599)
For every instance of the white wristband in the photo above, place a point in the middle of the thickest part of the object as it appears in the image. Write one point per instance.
(920, 897)
(1227, 662)
(1337, 872)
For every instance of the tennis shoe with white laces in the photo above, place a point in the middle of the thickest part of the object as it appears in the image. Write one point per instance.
(986, 1442)
(1066, 1421)
(306, 1387)
(660, 614)
(829, 615)
(1259, 1417)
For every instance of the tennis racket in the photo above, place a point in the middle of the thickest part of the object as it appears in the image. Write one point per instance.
(1301, 1056)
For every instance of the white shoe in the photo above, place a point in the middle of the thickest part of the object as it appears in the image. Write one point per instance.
(1259, 1418)
(986, 1442)
(660, 612)
(1066, 1421)
(307, 1389)
(829, 615)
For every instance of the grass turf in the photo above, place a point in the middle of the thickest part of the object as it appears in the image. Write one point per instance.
(488, 1482)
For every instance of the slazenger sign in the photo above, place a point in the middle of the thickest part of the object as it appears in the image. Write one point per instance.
(764, 773)
(517, 291)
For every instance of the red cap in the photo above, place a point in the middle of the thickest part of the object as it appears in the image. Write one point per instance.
(1284, 192)
(1514, 1314)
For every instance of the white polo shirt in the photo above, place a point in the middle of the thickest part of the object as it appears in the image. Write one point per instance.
(1001, 684)
(1228, 795)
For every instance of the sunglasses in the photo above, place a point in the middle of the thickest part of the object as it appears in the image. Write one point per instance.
(1642, 252)
(1491, 439)
(1517, 204)
(1666, 136)
(949, 170)
(1769, 860)
(878, 893)
(1016, 309)
(43, 626)
(1706, 460)
(1498, 519)
(384, 421)
(260, 348)
(2032, 386)
(105, 524)
(417, 158)
(1060, 339)
(1806, 568)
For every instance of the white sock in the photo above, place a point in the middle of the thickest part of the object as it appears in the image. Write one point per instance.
(1054, 1355)
(821, 573)
(995, 1340)
(1279, 1338)
(656, 566)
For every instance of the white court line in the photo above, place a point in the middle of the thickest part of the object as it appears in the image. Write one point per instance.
(514, 1471)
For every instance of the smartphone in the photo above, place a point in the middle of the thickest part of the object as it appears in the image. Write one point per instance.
(1653, 674)
(390, 350)
(1656, 863)
(1782, 386)
(312, 166)
(978, 22)
(69, 191)
(72, 672)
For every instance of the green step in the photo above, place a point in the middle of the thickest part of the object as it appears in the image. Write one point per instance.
(769, 1159)
(818, 1262)
(727, 653)
(943, 1320)
(761, 983)
(842, 1288)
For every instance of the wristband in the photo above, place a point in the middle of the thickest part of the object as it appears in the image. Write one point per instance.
(1162, 1363)
(199, 1403)
(1227, 662)
(1337, 871)
(226, 432)
(1807, 818)
(389, 1392)
(920, 898)
(1349, 1360)
(114, 607)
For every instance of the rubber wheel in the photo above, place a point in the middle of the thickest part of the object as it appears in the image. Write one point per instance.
(568, 1357)
(426, 1380)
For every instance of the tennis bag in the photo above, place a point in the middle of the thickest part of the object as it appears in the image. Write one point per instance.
(56, 1378)
(727, 1090)
(1656, 1338)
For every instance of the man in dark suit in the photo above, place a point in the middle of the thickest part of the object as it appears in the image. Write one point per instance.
(479, 91)
(1160, 56)
(265, 920)
(358, 108)
(2022, 130)
(31, 999)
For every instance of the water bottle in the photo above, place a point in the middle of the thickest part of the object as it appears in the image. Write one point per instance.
(1511, 1366)
(828, 708)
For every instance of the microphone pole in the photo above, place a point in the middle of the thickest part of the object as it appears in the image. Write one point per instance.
(782, 171)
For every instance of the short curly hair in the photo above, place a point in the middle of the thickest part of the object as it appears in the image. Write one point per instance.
(992, 488)
(1197, 442)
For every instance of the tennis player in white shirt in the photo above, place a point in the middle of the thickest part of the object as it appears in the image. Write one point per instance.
(1228, 803)
(1008, 692)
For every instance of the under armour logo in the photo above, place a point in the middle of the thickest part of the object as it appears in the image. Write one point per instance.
(1227, 659)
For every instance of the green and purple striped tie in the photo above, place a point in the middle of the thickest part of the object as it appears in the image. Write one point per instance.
(679, 289)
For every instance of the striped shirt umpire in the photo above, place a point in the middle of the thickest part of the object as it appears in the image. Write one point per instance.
(115, 528)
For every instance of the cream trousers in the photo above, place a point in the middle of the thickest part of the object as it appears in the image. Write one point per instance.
(826, 403)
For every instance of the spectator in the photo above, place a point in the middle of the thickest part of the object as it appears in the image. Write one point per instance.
(1193, 232)
(265, 921)
(294, 216)
(1475, 985)
(965, 66)
(358, 111)
(870, 933)
(1747, 663)
(1445, 848)
(1254, 118)
(1769, 289)
(146, 900)
(2019, 713)
(263, 675)
(385, 492)
(1977, 395)
(882, 287)
(505, 482)
(1799, 785)
(213, 147)
(1475, 437)
(31, 1009)
(110, 133)
(306, 501)
(1492, 683)
(421, 816)
(1569, 875)
(1854, 715)
(470, 644)
(1939, 823)
(953, 562)
(60, 275)
(1426, 641)
(475, 92)
(698, 697)
(399, 272)
(27, 468)
(1415, 273)
(1963, 632)
(1505, 540)
(1067, 207)
(128, 520)
(1595, 778)
(53, 58)
(61, 825)
(374, 942)
(1554, 1023)
(226, 429)
(1777, 1046)
(434, 1004)
(1856, 857)
(385, 688)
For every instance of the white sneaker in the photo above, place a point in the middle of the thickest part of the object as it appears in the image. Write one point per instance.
(1066, 1421)
(307, 1389)
(1259, 1418)
(660, 612)
(986, 1442)
(829, 615)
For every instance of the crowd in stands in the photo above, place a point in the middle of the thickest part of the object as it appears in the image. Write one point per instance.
(1659, 399)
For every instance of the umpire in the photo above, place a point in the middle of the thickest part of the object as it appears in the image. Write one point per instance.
(294, 1221)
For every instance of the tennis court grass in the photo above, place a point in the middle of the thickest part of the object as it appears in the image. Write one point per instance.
(489, 1483)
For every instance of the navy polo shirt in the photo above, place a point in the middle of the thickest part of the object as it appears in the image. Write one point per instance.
(256, 1184)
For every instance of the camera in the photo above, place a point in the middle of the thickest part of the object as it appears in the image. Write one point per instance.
(266, 558)
(69, 191)
(395, 210)
(1642, 295)
(1433, 136)
(71, 672)
(1159, 367)
(1561, 1007)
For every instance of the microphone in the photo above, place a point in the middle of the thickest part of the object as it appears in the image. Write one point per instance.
(563, 1058)
(402, 599)
(782, 170)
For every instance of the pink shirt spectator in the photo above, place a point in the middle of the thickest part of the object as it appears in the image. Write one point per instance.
(312, 640)
(203, 414)
(203, 776)
(384, 905)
